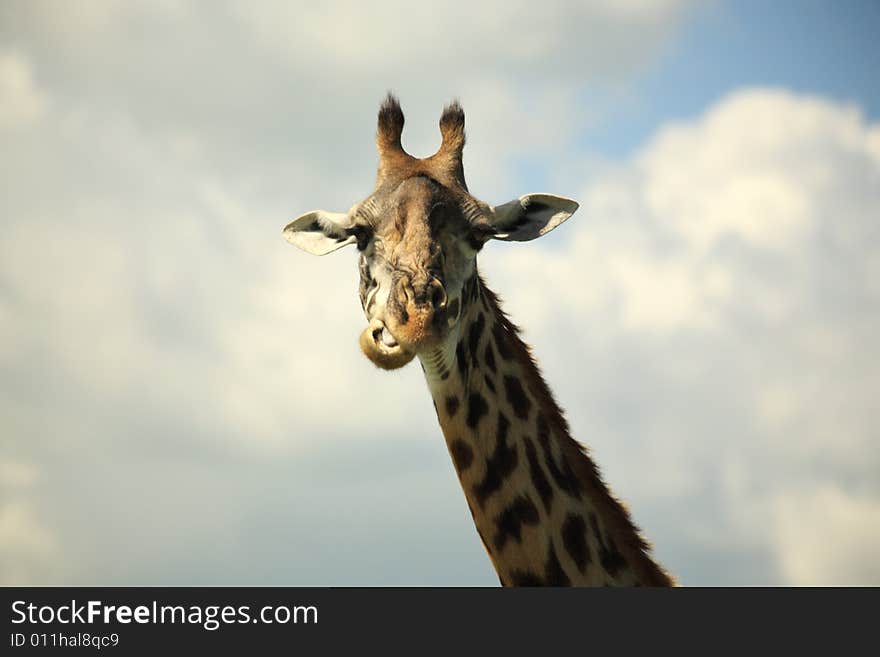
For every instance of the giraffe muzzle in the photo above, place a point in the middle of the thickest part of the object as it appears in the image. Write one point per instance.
(382, 348)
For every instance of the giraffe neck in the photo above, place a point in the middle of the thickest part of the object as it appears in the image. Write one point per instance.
(537, 500)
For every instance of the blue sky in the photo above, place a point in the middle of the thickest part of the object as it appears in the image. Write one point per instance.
(812, 47)
(181, 392)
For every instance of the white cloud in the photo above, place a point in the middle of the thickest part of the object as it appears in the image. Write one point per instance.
(779, 147)
(28, 548)
(137, 268)
(718, 290)
(827, 537)
(21, 102)
(555, 39)
(16, 475)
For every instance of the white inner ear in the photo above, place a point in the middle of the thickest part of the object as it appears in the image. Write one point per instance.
(531, 216)
(319, 232)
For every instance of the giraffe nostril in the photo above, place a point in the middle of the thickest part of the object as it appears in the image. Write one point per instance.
(453, 309)
(403, 290)
(436, 294)
(438, 297)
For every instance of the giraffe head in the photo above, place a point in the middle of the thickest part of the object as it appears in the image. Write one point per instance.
(418, 234)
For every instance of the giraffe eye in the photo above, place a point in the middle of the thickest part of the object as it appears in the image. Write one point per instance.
(362, 235)
(482, 232)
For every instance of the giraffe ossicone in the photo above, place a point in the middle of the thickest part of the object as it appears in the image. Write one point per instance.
(538, 502)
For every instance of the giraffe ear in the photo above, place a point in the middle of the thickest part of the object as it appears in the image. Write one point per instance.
(530, 216)
(320, 232)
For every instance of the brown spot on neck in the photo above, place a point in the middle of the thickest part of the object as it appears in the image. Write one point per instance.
(523, 464)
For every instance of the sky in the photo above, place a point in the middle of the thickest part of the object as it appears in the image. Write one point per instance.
(182, 398)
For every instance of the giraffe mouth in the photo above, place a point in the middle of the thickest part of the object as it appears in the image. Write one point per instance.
(381, 346)
(387, 339)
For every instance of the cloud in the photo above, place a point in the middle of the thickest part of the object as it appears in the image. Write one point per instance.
(21, 102)
(828, 537)
(28, 548)
(178, 380)
(253, 90)
(17, 475)
(143, 219)
(561, 40)
(721, 291)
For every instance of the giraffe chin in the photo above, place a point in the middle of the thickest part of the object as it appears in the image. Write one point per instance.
(381, 354)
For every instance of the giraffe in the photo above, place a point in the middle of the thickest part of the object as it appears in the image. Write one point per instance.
(539, 504)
